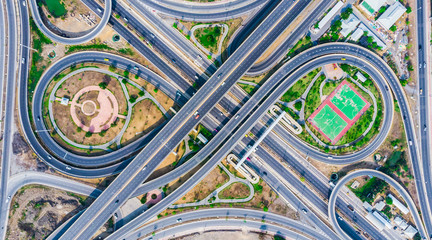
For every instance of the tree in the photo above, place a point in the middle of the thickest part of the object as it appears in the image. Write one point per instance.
(389, 200)
(393, 28)
(345, 15)
(88, 134)
(409, 10)
(103, 85)
(370, 39)
(382, 9)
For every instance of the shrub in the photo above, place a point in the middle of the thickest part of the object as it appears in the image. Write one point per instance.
(88, 134)
(103, 85)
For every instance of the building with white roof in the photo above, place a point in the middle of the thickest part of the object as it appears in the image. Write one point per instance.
(382, 219)
(399, 205)
(361, 77)
(391, 15)
(402, 224)
(202, 138)
(367, 206)
(380, 205)
(64, 101)
(410, 231)
(329, 16)
(357, 34)
(375, 221)
(349, 25)
(372, 6)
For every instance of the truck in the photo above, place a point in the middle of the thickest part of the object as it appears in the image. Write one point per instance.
(106, 60)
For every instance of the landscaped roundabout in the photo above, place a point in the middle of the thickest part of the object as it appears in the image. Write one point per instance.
(92, 110)
(339, 108)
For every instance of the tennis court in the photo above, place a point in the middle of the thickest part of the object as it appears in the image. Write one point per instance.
(329, 122)
(348, 101)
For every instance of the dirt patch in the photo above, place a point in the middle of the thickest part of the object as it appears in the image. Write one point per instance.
(78, 18)
(236, 190)
(146, 116)
(37, 210)
(216, 178)
(19, 145)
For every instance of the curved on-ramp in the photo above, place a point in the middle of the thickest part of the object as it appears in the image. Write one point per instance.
(254, 219)
(403, 193)
(76, 40)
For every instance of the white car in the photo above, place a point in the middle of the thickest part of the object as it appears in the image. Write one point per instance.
(8, 198)
(68, 168)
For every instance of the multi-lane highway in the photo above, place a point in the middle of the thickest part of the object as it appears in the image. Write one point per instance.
(424, 187)
(199, 105)
(181, 124)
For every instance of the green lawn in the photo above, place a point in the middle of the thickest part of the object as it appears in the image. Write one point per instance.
(208, 37)
(329, 122)
(248, 88)
(313, 99)
(55, 7)
(369, 189)
(299, 87)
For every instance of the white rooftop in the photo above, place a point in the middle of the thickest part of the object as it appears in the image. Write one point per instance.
(382, 219)
(401, 222)
(399, 205)
(378, 224)
(202, 138)
(349, 25)
(371, 6)
(391, 15)
(367, 206)
(357, 34)
(330, 14)
(380, 205)
(361, 77)
(64, 101)
(410, 231)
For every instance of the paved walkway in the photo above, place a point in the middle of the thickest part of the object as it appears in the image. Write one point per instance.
(215, 193)
(116, 139)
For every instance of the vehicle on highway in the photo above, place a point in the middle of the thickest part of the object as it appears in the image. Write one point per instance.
(24, 3)
(350, 207)
(220, 74)
(237, 116)
(106, 60)
(173, 60)
(8, 198)
(38, 118)
(196, 76)
(343, 59)
(68, 168)
(223, 83)
(125, 19)
(421, 91)
(136, 68)
(115, 216)
(179, 220)
(410, 142)
(99, 10)
(23, 60)
(304, 211)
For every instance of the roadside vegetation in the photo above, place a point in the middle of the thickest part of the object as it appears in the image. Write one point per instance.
(370, 189)
(209, 37)
(55, 7)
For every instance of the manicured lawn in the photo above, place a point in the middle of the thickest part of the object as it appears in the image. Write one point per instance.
(300, 86)
(56, 8)
(248, 88)
(208, 37)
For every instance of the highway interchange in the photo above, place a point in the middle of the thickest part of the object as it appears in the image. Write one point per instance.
(129, 160)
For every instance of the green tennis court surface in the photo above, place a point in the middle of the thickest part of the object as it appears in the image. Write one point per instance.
(329, 122)
(348, 102)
